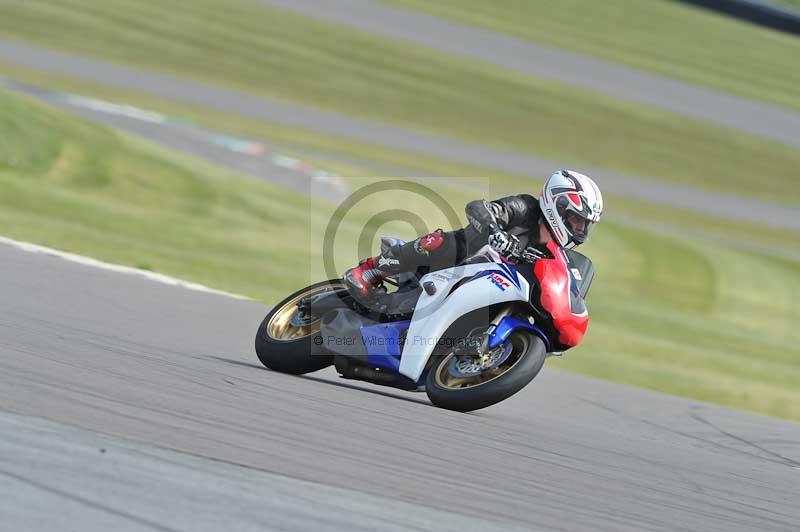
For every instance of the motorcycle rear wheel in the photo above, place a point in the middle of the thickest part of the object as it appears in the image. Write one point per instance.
(465, 394)
(282, 346)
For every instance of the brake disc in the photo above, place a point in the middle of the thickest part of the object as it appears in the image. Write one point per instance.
(473, 365)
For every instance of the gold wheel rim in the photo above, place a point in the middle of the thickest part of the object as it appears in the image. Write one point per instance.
(280, 324)
(519, 344)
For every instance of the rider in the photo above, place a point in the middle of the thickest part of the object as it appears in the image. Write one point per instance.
(569, 205)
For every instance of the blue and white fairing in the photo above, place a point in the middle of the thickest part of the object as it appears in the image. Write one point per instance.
(488, 283)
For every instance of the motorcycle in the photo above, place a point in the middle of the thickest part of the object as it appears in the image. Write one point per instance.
(470, 336)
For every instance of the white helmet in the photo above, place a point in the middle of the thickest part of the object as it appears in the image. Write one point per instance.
(571, 204)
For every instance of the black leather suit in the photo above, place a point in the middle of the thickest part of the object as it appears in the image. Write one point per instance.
(518, 215)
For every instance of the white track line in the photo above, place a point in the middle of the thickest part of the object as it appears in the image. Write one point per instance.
(93, 263)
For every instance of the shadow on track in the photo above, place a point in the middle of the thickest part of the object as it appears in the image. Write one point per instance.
(325, 381)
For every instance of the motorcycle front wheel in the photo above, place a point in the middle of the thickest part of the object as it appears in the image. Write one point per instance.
(454, 382)
(284, 344)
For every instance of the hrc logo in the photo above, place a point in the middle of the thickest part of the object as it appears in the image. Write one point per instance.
(499, 281)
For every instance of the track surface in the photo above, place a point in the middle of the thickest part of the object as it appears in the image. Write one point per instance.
(173, 368)
(56, 477)
(556, 64)
(232, 101)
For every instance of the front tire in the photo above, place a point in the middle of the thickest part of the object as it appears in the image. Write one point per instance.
(283, 347)
(446, 390)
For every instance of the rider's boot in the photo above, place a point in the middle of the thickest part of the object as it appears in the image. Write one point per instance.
(399, 258)
(370, 273)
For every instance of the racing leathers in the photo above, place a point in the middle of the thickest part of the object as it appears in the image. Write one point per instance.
(509, 224)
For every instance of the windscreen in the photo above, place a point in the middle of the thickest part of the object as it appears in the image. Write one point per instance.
(582, 270)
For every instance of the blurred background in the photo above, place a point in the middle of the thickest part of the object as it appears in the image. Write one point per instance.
(212, 141)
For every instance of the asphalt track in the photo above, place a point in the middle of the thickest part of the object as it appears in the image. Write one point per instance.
(57, 477)
(260, 107)
(199, 437)
(611, 79)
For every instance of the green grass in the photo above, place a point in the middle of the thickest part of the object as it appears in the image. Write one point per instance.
(81, 187)
(687, 305)
(262, 50)
(353, 158)
(788, 3)
(661, 36)
(694, 318)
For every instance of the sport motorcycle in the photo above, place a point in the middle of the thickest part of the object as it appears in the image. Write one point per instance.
(470, 336)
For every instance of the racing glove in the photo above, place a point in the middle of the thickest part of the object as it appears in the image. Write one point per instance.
(504, 243)
(530, 255)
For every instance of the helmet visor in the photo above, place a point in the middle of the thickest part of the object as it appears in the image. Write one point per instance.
(577, 223)
(578, 226)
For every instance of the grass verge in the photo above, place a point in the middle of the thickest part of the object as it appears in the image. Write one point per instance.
(263, 50)
(358, 159)
(661, 36)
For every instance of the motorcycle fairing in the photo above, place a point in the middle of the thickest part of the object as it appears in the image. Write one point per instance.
(560, 297)
(510, 274)
(489, 283)
(383, 342)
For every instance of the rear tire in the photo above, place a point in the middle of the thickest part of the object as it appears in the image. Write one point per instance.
(528, 363)
(293, 350)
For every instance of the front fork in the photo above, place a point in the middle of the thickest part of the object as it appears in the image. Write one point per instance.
(504, 324)
(489, 334)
